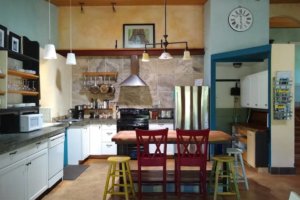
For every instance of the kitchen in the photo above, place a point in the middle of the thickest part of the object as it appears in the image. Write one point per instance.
(160, 78)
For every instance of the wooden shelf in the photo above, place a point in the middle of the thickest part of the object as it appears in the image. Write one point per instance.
(105, 74)
(2, 75)
(127, 52)
(92, 109)
(22, 74)
(26, 93)
(2, 92)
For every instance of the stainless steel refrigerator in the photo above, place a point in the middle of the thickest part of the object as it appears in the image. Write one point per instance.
(192, 107)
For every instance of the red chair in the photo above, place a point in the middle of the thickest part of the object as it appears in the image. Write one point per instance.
(191, 151)
(158, 157)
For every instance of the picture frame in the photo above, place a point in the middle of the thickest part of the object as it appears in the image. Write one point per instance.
(137, 35)
(3, 37)
(14, 42)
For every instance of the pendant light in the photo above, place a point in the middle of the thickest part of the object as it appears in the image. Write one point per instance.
(164, 43)
(71, 59)
(49, 51)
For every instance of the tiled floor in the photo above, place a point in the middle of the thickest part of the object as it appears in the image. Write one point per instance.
(90, 185)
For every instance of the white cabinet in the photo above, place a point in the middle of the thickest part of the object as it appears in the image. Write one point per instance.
(155, 126)
(107, 146)
(254, 90)
(78, 144)
(27, 177)
(37, 174)
(13, 181)
(95, 139)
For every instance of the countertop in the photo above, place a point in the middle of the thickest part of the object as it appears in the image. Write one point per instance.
(253, 127)
(12, 141)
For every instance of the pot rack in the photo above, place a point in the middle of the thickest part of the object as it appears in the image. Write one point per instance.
(112, 75)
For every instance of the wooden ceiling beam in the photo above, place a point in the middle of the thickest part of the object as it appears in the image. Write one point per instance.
(126, 2)
(284, 22)
(127, 52)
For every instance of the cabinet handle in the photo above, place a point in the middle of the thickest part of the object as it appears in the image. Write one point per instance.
(38, 143)
(160, 124)
(109, 145)
(109, 133)
(13, 153)
(28, 163)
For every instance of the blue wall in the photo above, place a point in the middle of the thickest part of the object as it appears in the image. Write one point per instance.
(29, 18)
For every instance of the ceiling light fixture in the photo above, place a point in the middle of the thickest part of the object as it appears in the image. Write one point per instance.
(71, 59)
(49, 51)
(164, 44)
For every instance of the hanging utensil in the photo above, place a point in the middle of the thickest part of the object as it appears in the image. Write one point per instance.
(94, 89)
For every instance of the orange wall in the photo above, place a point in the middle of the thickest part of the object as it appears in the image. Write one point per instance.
(99, 27)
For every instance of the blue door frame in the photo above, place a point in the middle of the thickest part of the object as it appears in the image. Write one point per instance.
(254, 54)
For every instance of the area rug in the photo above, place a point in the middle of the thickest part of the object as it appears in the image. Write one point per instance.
(71, 172)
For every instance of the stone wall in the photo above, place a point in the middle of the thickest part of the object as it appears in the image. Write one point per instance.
(160, 75)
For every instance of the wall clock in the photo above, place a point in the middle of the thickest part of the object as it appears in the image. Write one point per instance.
(240, 19)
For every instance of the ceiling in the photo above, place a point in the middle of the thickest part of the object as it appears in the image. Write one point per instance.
(142, 2)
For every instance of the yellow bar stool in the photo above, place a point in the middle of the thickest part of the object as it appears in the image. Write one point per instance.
(239, 164)
(217, 172)
(122, 172)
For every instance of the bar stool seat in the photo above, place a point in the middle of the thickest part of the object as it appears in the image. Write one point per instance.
(230, 183)
(123, 172)
(239, 164)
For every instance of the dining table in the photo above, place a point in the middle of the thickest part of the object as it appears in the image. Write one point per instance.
(128, 137)
(125, 138)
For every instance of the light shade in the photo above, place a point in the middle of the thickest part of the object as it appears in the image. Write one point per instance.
(165, 56)
(71, 59)
(186, 55)
(50, 52)
(145, 57)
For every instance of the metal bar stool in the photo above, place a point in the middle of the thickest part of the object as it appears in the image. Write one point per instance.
(239, 163)
(228, 174)
(123, 173)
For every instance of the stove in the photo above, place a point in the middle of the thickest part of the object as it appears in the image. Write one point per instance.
(131, 119)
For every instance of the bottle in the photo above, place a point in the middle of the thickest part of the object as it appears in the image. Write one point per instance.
(95, 104)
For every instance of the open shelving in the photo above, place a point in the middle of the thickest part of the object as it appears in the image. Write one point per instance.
(22, 74)
(23, 92)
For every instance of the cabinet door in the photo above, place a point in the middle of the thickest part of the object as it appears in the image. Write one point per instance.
(155, 126)
(37, 174)
(74, 146)
(13, 181)
(245, 91)
(263, 89)
(95, 139)
(108, 148)
(85, 142)
(254, 88)
(251, 148)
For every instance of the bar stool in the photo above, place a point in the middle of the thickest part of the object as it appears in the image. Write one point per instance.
(238, 163)
(123, 173)
(229, 174)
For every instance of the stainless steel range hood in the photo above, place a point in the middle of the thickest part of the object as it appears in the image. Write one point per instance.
(134, 79)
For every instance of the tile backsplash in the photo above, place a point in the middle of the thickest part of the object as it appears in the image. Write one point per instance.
(160, 75)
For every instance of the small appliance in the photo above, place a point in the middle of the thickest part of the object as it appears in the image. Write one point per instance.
(31, 122)
(79, 112)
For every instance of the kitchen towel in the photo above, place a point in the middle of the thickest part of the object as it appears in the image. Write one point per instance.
(71, 172)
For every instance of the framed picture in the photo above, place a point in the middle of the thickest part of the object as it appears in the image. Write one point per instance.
(137, 35)
(14, 42)
(3, 37)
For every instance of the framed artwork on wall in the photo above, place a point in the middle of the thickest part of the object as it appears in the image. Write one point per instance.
(3, 36)
(14, 42)
(137, 35)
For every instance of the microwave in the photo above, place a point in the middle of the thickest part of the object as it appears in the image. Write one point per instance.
(31, 122)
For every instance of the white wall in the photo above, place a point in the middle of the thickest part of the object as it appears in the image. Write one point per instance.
(56, 85)
(282, 136)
